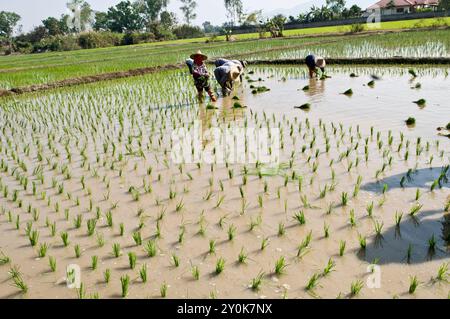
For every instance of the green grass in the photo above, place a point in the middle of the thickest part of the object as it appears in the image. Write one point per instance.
(26, 70)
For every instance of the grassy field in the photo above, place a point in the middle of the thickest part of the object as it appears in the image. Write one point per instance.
(24, 70)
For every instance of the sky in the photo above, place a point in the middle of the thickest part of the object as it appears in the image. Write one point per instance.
(34, 11)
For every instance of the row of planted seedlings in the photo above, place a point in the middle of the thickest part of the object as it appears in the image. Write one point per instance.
(122, 150)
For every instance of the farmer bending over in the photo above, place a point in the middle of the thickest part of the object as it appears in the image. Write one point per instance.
(200, 74)
(227, 72)
(314, 64)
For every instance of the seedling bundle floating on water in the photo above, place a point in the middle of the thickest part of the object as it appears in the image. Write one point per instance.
(420, 102)
(349, 92)
(304, 107)
(410, 121)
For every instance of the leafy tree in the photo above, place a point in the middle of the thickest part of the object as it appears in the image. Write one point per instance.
(124, 17)
(208, 27)
(235, 10)
(8, 22)
(101, 21)
(444, 5)
(188, 10)
(54, 26)
(336, 7)
(168, 20)
(353, 12)
(151, 9)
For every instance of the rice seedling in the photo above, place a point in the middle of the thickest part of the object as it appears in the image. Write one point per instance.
(65, 238)
(212, 247)
(109, 219)
(257, 281)
(413, 284)
(143, 273)
(100, 240)
(356, 288)
(312, 282)
(378, 227)
(300, 218)
(4, 259)
(326, 230)
(301, 250)
(77, 250)
(195, 271)
(94, 262)
(52, 263)
(125, 283)
(107, 276)
(344, 199)
(432, 244)
(163, 290)
(175, 260)
(33, 237)
(281, 229)
(117, 252)
(132, 260)
(231, 232)
(398, 218)
(369, 209)
(442, 273)
(415, 209)
(42, 251)
(329, 267)
(20, 284)
(220, 201)
(352, 219)
(151, 248)
(280, 266)
(264, 243)
(137, 237)
(242, 258)
(220, 266)
(362, 242)
(78, 221)
(91, 225)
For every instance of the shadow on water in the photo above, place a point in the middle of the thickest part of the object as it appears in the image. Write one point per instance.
(409, 242)
(419, 178)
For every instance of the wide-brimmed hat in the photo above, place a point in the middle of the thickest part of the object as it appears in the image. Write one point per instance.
(320, 62)
(199, 53)
(235, 73)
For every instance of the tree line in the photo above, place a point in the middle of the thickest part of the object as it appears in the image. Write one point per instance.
(137, 21)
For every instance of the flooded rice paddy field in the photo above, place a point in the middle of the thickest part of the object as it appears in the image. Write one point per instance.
(87, 178)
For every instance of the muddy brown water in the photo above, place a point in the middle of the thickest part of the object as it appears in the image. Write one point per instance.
(385, 107)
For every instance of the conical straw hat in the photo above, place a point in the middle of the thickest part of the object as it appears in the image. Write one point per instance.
(199, 53)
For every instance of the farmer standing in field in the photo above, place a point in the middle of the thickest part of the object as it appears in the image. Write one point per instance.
(227, 72)
(314, 64)
(200, 73)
